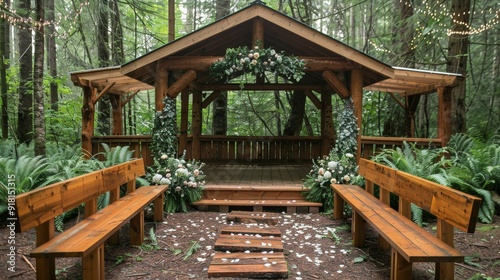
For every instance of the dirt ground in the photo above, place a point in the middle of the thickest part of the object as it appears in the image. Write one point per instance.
(311, 250)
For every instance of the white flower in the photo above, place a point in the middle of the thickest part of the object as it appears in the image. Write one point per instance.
(347, 178)
(321, 171)
(178, 189)
(196, 172)
(332, 165)
(333, 181)
(256, 55)
(254, 62)
(164, 156)
(250, 55)
(182, 171)
(165, 181)
(349, 155)
(156, 178)
(327, 175)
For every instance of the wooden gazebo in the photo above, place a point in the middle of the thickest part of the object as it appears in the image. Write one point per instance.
(181, 68)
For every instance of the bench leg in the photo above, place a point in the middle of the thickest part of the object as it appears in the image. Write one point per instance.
(158, 208)
(93, 264)
(45, 268)
(445, 270)
(400, 268)
(338, 206)
(137, 229)
(358, 230)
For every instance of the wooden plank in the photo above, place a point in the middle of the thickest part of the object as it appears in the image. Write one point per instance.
(84, 237)
(245, 202)
(252, 229)
(268, 270)
(412, 242)
(252, 217)
(232, 243)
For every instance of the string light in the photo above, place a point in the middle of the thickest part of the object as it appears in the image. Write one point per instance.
(29, 24)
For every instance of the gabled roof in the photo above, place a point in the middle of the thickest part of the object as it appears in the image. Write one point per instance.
(280, 32)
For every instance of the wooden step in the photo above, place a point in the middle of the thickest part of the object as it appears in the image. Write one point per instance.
(251, 229)
(242, 243)
(247, 217)
(253, 193)
(249, 265)
(292, 206)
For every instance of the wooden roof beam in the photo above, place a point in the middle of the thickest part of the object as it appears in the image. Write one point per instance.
(104, 91)
(263, 87)
(182, 83)
(313, 99)
(210, 98)
(336, 84)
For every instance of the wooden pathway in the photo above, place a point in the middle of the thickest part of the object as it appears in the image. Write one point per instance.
(249, 250)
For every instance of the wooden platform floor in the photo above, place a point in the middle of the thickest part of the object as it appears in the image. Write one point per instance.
(290, 175)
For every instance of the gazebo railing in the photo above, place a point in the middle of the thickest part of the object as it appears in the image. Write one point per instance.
(255, 149)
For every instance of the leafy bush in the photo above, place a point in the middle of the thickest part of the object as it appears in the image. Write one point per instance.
(339, 167)
(184, 178)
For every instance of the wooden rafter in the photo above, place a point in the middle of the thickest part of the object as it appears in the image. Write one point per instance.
(210, 99)
(104, 91)
(336, 84)
(313, 98)
(181, 83)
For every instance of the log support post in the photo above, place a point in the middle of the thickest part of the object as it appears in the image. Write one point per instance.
(117, 107)
(196, 125)
(444, 115)
(161, 86)
(327, 130)
(88, 114)
(357, 99)
(184, 120)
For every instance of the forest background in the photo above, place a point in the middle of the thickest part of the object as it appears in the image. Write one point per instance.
(42, 41)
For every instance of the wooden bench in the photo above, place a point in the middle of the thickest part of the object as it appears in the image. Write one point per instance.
(409, 242)
(38, 208)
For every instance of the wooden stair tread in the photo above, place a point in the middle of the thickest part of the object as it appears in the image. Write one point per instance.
(249, 265)
(253, 217)
(252, 202)
(252, 255)
(252, 229)
(227, 242)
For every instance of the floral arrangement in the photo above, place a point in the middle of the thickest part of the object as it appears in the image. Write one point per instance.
(257, 61)
(339, 167)
(185, 179)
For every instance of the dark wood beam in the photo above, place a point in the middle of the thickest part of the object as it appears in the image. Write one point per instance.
(336, 84)
(101, 94)
(182, 83)
(313, 99)
(263, 87)
(210, 98)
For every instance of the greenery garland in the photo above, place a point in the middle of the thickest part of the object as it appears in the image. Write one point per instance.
(257, 61)
(339, 167)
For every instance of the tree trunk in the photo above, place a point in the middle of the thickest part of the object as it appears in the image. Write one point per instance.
(5, 56)
(52, 55)
(219, 106)
(25, 107)
(458, 45)
(38, 89)
(296, 118)
(103, 107)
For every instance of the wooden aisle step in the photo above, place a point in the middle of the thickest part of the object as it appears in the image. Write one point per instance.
(249, 250)
(253, 217)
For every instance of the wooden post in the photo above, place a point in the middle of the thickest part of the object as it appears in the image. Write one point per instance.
(444, 115)
(196, 125)
(357, 98)
(184, 120)
(161, 86)
(117, 114)
(45, 267)
(327, 130)
(88, 114)
(258, 33)
(445, 270)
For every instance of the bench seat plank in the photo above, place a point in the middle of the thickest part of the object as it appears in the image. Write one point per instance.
(84, 237)
(413, 242)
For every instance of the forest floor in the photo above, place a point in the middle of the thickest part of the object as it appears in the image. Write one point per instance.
(311, 250)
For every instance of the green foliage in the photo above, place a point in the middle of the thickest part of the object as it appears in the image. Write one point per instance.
(164, 139)
(194, 246)
(184, 178)
(116, 155)
(339, 167)
(257, 62)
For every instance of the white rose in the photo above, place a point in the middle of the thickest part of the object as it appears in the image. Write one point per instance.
(332, 164)
(333, 181)
(321, 171)
(327, 175)
(347, 178)
(165, 181)
(156, 178)
(349, 155)
(164, 156)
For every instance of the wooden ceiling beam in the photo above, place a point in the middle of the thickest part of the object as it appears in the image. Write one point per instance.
(182, 83)
(315, 100)
(336, 84)
(263, 87)
(104, 91)
(210, 98)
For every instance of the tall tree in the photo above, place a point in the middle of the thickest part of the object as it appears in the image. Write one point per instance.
(458, 45)
(25, 107)
(52, 55)
(4, 65)
(103, 106)
(38, 90)
(219, 106)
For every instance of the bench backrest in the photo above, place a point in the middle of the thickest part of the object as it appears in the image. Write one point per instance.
(447, 204)
(42, 205)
